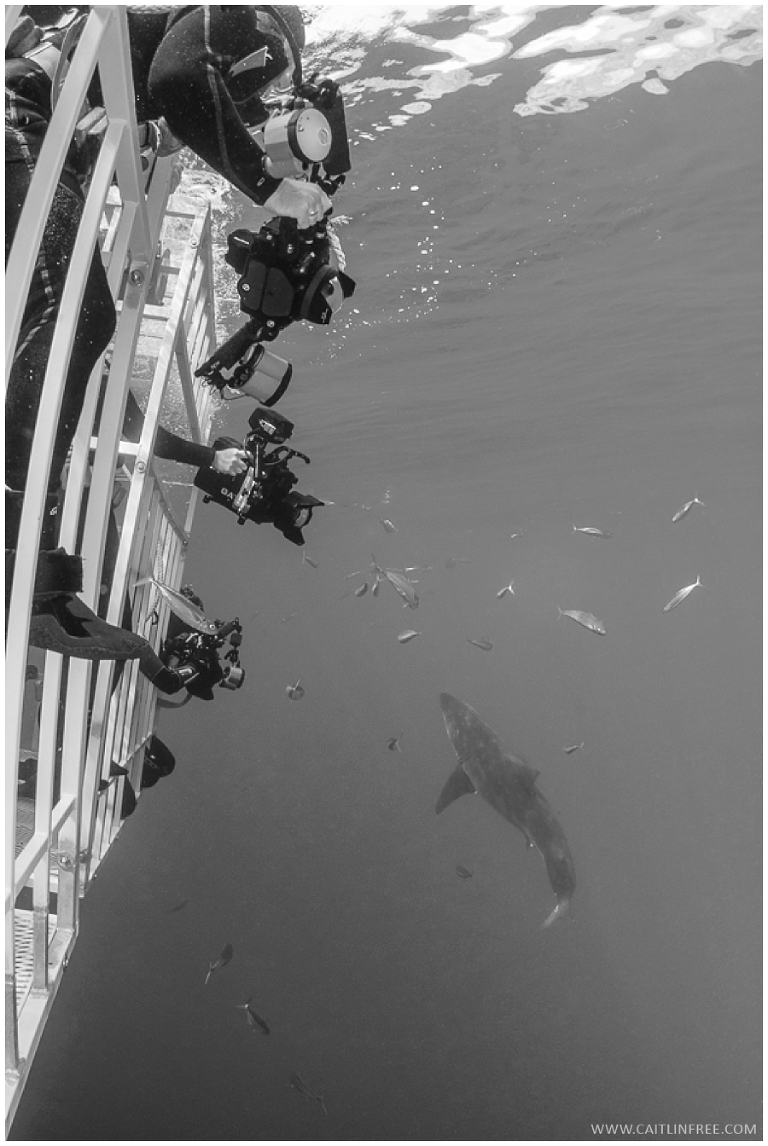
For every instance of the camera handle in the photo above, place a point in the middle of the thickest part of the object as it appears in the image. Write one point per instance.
(251, 485)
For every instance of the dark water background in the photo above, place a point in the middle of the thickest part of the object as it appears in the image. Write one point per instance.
(592, 357)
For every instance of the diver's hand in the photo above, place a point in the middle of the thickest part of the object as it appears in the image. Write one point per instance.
(295, 199)
(232, 461)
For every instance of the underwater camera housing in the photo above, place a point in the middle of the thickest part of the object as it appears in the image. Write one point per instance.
(285, 274)
(264, 493)
(186, 647)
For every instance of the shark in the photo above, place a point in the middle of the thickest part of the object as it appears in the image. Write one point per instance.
(508, 784)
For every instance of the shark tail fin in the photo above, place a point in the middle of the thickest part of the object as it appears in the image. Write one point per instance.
(562, 911)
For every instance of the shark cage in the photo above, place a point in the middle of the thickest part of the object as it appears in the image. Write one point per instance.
(69, 721)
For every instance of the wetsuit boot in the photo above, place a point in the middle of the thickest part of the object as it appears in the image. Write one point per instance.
(60, 621)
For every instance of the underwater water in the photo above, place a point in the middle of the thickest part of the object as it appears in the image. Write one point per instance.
(557, 323)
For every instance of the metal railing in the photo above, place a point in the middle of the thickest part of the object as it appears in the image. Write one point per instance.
(76, 721)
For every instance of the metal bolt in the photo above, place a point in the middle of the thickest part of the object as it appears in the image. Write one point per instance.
(136, 277)
(141, 466)
(245, 288)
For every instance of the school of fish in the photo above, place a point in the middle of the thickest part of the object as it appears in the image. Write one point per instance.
(506, 782)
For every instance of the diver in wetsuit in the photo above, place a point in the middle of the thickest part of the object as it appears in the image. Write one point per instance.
(199, 75)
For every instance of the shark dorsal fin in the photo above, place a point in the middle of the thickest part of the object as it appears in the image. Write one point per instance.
(457, 784)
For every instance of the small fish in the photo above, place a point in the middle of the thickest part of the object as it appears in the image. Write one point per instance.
(375, 587)
(178, 907)
(362, 589)
(357, 573)
(592, 531)
(513, 535)
(507, 589)
(451, 562)
(404, 587)
(295, 691)
(226, 954)
(285, 620)
(681, 595)
(387, 524)
(400, 583)
(309, 560)
(585, 619)
(393, 744)
(298, 1083)
(408, 635)
(181, 605)
(483, 643)
(255, 1022)
(681, 513)
(463, 872)
(573, 748)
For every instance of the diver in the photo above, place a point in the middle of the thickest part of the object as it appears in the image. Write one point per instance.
(199, 75)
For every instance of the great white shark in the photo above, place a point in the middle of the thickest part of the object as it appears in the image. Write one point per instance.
(508, 784)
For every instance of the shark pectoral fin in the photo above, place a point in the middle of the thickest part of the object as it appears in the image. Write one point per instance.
(457, 784)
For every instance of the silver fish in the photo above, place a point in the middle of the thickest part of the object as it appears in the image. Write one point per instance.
(226, 954)
(255, 1022)
(463, 872)
(178, 907)
(408, 635)
(285, 620)
(387, 524)
(681, 595)
(483, 643)
(573, 748)
(404, 587)
(298, 1083)
(375, 587)
(309, 560)
(394, 743)
(592, 531)
(681, 513)
(361, 589)
(295, 691)
(507, 589)
(400, 583)
(585, 619)
(185, 610)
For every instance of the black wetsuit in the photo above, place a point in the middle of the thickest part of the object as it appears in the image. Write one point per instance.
(180, 59)
(168, 446)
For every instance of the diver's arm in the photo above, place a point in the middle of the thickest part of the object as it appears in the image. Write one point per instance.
(172, 448)
(187, 87)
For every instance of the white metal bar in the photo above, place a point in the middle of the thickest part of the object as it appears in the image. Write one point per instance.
(50, 404)
(32, 852)
(149, 429)
(120, 102)
(188, 388)
(45, 179)
(40, 463)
